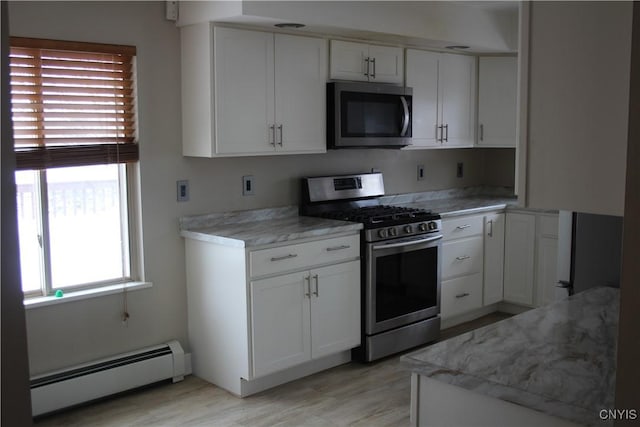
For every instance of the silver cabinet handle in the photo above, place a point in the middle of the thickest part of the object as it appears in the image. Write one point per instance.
(462, 258)
(405, 116)
(446, 128)
(462, 295)
(490, 233)
(308, 293)
(272, 141)
(317, 291)
(481, 132)
(373, 61)
(441, 133)
(338, 248)
(280, 129)
(280, 258)
(462, 227)
(366, 73)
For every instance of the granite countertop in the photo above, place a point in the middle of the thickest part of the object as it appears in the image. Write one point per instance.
(260, 227)
(246, 229)
(455, 202)
(559, 359)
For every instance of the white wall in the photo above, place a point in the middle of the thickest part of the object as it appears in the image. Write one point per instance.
(71, 333)
(15, 407)
(484, 26)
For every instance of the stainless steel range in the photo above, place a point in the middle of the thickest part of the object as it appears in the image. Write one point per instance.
(401, 253)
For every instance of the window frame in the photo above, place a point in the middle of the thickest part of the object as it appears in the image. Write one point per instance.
(124, 154)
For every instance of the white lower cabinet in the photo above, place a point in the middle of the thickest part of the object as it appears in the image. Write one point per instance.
(497, 257)
(300, 316)
(519, 258)
(259, 318)
(547, 259)
(461, 295)
(530, 265)
(493, 258)
(462, 266)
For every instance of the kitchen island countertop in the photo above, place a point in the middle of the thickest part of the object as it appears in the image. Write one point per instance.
(558, 359)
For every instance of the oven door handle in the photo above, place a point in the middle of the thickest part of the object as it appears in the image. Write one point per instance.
(405, 243)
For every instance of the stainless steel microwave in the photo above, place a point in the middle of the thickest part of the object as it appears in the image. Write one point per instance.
(361, 115)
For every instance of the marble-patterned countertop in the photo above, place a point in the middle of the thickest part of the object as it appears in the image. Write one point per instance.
(455, 202)
(247, 229)
(259, 227)
(559, 359)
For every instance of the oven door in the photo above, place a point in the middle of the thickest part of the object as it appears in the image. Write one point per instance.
(402, 282)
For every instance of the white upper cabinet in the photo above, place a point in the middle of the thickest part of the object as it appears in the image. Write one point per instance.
(578, 106)
(497, 97)
(422, 76)
(444, 94)
(300, 91)
(244, 92)
(363, 62)
(252, 92)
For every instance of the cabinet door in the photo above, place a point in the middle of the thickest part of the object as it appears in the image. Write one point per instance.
(335, 308)
(493, 258)
(300, 88)
(387, 64)
(497, 85)
(457, 85)
(519, 258)
(348, 61)
(280, 329)
(422, 76)
(546, 270)
(244, 91)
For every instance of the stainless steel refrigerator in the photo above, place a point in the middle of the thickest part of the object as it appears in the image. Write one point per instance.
(589, 251)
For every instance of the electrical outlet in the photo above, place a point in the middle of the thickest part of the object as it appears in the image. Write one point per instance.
(460, 170)
(182, 188)
(420, 172)
(247, 185)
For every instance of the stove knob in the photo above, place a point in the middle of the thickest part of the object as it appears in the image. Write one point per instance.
(392, 231)
(433, 225)
(382, 233)
(408, 229)
(423, 226)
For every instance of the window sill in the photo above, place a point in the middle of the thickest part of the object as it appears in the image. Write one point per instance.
(85, 294)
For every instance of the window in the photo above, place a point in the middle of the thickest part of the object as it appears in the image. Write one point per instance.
(73, 110)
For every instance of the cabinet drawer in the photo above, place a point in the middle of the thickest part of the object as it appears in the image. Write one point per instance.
(462, 257)
(303, 255)
(457, 228)
(461, 295)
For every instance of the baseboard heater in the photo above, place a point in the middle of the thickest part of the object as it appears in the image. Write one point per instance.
(90, 381)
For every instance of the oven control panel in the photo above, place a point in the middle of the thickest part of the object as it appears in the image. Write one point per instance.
(385, 233)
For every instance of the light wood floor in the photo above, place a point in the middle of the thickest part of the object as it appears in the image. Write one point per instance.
(375, 394)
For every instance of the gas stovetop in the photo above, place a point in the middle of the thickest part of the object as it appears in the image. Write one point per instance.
(356, 198)
(381, 215)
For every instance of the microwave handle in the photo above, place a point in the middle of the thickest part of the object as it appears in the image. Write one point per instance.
(405, 117)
